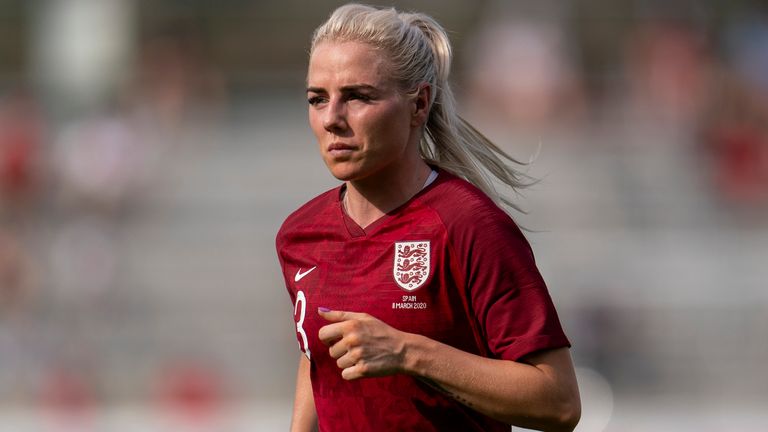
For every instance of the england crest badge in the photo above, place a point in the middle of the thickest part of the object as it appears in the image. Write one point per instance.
(411, 267)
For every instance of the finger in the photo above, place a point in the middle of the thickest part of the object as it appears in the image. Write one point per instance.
(354, 372)
(349, 359)
(339, 348)
(330, 334)
(337, 316)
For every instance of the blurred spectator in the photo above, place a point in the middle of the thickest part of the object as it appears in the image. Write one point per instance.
(83, 262)
(520, 73)
(735, 133)
(668, 67)
(192, 397)
(20, 342)
(102, 160)
(79, 52)
(746, 42)
(736, 128)
(21, 131)
(742, 162)
(175, 78)
(17, 281)
(69, 400)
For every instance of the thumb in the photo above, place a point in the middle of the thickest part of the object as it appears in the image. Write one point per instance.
(335, 316)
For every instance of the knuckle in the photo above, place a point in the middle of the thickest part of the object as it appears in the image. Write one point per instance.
(353, 339)
(356, 354)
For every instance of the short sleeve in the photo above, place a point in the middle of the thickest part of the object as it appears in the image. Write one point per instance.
(279, 245)
(510, 301)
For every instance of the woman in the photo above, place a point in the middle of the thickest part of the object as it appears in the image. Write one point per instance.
(417, 302)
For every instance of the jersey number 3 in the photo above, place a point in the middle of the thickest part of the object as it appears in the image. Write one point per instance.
(301, 299)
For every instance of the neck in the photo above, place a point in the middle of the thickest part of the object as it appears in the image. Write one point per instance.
(370, 198)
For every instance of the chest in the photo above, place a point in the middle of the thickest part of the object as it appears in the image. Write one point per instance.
(407, 281)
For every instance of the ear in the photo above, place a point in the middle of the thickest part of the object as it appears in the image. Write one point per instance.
(421, 105)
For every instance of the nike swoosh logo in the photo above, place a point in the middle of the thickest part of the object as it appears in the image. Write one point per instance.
(299, 275)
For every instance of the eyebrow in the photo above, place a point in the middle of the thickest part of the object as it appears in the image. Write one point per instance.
(346, 88)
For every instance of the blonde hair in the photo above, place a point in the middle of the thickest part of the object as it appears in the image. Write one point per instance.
(419, 51)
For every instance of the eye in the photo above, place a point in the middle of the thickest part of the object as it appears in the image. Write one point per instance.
(360, 97)
(316, 100)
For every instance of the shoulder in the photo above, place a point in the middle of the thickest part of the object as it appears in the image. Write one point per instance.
(471, 218)
(313, 212)
(462, 205)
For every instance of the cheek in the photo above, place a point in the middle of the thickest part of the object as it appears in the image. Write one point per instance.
(394, 134)
(315, 123)
(389, 127)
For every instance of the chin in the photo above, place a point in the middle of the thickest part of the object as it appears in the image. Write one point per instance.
(343, 171)
(350, 170)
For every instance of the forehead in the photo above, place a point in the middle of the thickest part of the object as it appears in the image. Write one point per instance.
(342, 63)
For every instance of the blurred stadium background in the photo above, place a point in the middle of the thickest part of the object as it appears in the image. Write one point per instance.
(149, 151)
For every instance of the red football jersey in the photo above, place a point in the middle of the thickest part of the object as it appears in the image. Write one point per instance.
(448, 264)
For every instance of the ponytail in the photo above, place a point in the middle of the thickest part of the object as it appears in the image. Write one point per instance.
(420, 51)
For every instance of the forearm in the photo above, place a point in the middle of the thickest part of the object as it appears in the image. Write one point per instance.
(304, 418)
(541, 396)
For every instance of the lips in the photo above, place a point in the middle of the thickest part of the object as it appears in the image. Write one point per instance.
(340, 146)
(341, 149)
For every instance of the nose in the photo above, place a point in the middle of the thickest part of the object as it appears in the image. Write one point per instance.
(335, 116)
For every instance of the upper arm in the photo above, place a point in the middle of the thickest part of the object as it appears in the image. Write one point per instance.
(508, 296)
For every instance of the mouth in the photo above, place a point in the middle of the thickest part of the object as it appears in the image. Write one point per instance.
(340, 149)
